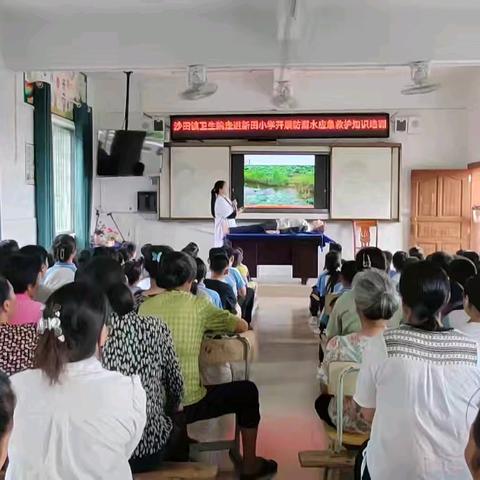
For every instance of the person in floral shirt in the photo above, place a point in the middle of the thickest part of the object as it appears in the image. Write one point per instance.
(376, 301)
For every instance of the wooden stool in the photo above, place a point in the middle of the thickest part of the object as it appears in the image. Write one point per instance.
(180, 471)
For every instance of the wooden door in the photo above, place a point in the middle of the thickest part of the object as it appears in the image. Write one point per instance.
(441, 210)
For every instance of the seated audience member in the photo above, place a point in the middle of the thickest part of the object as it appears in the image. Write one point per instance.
(389, 259)
(329, 279)
(133, 271)
(38, 251)
(7, 406)
(376, 300)
(17, 342)
(471, 302)
(141, 346)
(131, 250)
(152, 255)
(192, 249)
(344, 318)
(219, 271)
(7, 248)
(23, 273)
(245, 294)
(471, 255)
(237, 263)
(347, 274)
(189, 317)
(201, 289)
(441, 259)
(398, 260)
(472, 450)
(459, 270)
(63, 271)
(416, 252)
(417, 388)
(73, 418)
(84, 257)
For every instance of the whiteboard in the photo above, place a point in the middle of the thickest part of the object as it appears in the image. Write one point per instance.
(361, 183)
(193, 172)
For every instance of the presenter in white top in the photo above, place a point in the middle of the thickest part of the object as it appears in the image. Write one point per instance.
(224, 211)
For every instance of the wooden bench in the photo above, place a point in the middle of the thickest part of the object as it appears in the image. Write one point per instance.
(181, 471)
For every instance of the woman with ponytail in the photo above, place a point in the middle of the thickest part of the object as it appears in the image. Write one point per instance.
(74, 418)
(416, 383)
(376, 300)
(223, 210)
(63, 271)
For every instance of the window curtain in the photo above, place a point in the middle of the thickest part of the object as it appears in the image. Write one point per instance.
(43, 157)
(83, 173)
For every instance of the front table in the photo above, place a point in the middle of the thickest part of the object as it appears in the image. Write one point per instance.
(299, 250)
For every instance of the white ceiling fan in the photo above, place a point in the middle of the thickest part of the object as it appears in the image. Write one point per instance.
(198, 85)
(419, 72)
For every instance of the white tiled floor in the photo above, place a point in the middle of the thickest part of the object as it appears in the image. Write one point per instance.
(285, 374)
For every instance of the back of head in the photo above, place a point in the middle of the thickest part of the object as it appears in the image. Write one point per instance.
(101, 272)
(192, 249)
(64, 246)
(335, 247)
(472, 291)
(348, 271)
(84, 257)
(416, 252)
(130, 248)
(121, 299)
(461, 269)
(133, 271)
(201, 270)
(399, 258)
(425, 289)
(333, 262)
(5, 291)
(370, 257)
(152, 255)
(218, 264)
(70, 330)
(176, 269)
(375, 295)
(35, 251)
(441, 259)
(22, 271)
(237, 257)
(8, 247)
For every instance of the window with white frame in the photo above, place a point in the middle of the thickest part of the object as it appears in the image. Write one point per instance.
(63, 182)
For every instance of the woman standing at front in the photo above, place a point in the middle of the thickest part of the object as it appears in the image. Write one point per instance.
(224, 211)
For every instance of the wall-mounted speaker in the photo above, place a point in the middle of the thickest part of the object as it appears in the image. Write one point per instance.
(147, 202)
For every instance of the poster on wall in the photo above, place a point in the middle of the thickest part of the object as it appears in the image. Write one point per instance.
(68, 88)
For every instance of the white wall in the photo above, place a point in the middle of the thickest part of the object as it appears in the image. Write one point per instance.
(444, 140)
(17, 208)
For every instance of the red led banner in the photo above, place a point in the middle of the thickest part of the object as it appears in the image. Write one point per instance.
(341, 125)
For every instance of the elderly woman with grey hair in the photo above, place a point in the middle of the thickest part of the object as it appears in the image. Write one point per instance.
(376, 300)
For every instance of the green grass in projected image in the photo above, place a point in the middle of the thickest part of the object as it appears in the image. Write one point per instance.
(279, 186)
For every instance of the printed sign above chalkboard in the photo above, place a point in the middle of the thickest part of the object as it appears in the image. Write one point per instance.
(271, 127)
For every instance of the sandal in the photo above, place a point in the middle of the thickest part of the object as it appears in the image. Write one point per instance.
(267, 468)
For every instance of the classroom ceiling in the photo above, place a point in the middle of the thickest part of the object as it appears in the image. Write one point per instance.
(138, 34)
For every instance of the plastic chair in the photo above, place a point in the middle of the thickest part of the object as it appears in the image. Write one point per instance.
(341, 453)
(362, 234)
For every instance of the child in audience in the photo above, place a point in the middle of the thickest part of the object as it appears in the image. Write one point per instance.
(23, 273)
(38, 251)
(243, 269)
(399, 258)
(472, 308)
(219, 270)
(192, 249)
(416, 252)
(460, 269)
(152, 255)
(7, 406)
(73, 418)
(344, 318)
(17, 342)
(327, 280)
(142, 346)
(201, 289)
(440, 259)
(131, 250)
(63, 271)
(417, 388)
(189, 317)
(472, 450)
(471, 255)
(133, 271)
(376, 300)
(389, 259)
